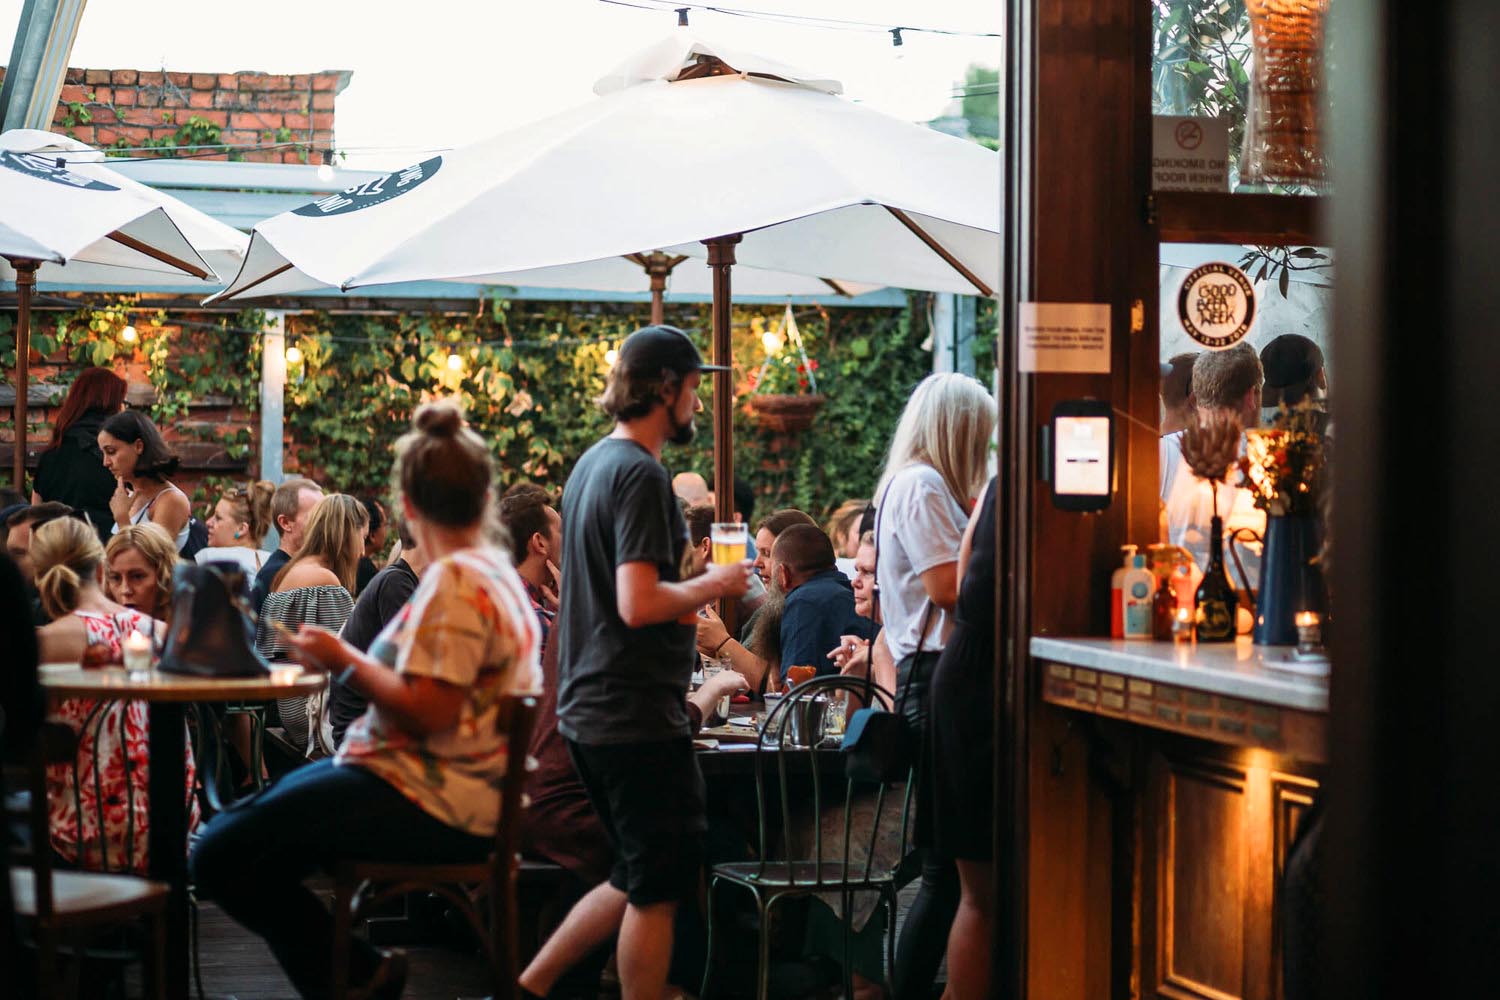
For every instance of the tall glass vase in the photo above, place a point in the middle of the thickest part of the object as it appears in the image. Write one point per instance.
(1290, 578)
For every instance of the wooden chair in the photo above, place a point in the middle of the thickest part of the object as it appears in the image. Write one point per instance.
(361, 886)
(786, 867)
(55, 905)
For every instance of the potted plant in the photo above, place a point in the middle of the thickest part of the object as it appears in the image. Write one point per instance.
(784, 392)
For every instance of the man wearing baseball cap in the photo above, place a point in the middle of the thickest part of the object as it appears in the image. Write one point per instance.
(1294, 371)
(625, 656)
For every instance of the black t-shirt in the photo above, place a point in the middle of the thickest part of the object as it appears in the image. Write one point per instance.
(73, 473)
(386, 594)
(619, 684)
(266, 577)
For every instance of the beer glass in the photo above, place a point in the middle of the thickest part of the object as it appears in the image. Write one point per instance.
(730, 543)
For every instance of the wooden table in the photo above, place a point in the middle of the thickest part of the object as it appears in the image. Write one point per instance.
(166, 694)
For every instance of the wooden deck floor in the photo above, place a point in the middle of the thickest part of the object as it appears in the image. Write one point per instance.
(237, 966)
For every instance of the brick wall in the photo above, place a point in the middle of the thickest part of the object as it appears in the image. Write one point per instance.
(135, 108)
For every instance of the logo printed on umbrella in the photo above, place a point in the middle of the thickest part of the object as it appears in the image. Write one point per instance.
(372, 192)
(46, 168)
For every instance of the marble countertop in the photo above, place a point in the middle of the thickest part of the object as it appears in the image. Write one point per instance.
(1265, 674)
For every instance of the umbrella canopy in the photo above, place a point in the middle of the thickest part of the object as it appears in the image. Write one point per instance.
(691, 149)
(104, 244)
(111, 229)
(664, 159)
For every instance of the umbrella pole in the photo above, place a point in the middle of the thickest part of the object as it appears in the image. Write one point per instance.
(25, 282)
(721, 261)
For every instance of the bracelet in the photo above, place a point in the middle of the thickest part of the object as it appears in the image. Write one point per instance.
(727, 640)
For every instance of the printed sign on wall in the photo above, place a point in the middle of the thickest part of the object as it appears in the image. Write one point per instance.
(1189, 154)
(1064, 337)
(1216, 305)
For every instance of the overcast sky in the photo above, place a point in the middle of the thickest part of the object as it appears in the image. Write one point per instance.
(437, 73)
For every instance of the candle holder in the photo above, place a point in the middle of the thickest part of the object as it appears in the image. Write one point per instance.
(1182, 626)
(1310, 636)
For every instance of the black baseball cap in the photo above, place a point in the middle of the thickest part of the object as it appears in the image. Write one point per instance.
(649, 350)
(1290, 361)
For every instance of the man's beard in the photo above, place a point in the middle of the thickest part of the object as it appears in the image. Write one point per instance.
(683, 433)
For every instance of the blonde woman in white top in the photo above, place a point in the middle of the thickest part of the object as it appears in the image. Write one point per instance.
(936, 469)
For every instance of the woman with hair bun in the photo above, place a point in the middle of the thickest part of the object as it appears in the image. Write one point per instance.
(138, 457)
(70, 471)
(102, 794)
(418, 775)
(238, 525)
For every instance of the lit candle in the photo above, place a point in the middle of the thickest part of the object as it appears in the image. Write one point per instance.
(1309, 631)
(1182, 625)
(137, 653)
(283, 673)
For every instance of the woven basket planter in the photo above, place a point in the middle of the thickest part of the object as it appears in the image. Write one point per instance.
(785, 413)
(1283, 127)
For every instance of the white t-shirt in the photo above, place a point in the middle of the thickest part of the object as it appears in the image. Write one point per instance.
(1190, 508)
(251, 559)
(920, 527)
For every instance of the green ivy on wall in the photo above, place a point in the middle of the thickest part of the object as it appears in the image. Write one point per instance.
(527, 375)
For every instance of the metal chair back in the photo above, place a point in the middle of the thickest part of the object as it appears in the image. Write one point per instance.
(837, 867)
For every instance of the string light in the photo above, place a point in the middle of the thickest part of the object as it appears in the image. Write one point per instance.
(294, 355)
(128, 334)
(896, 37)
(325, 169)
(611, 356)
(455, 362)
(771, 342)
(682, 13)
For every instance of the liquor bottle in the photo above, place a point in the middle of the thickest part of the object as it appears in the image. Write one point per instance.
(1216, 601)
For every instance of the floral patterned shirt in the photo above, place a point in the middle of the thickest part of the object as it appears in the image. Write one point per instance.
(469, 624)
(100, 800)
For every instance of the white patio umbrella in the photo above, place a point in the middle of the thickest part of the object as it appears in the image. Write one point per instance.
(692, 149)
(55, 217)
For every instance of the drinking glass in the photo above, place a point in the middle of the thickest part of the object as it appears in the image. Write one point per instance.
(730, 542)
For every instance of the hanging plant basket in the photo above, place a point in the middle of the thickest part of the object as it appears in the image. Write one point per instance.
(785, 413)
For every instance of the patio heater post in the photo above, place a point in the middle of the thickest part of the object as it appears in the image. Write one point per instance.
(25, 282)
(721, 261)
(658, 267)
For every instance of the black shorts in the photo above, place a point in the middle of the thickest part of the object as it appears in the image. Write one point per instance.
(651, 799)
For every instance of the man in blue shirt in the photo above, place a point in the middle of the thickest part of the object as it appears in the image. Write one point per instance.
(819, 606)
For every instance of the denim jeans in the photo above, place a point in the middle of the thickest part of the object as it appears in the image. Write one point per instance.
(252, 859)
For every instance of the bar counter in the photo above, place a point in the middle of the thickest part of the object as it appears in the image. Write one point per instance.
(1169, 783)
(1258, 697)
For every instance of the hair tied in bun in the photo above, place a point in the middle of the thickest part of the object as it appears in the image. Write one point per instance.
(438, 419)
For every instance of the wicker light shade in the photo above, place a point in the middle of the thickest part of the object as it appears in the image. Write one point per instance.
(1283, 131)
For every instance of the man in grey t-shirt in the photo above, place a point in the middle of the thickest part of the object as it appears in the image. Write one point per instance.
(625, 634)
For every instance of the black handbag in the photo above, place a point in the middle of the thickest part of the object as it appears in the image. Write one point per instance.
(212, 632)
(878, 744)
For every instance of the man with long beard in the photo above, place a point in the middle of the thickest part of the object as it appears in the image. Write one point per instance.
(625, 639)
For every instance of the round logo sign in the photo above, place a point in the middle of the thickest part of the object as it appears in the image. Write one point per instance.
(373, 192)
(46, 168)
(1216, 305)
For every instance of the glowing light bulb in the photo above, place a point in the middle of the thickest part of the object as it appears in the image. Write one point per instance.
(771, 342)
(128, 334)
(294, 355)
(325, 169)
(455, 363)
(611, 356)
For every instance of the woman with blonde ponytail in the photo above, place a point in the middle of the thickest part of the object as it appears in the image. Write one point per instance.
(238, 525)
(101, 795)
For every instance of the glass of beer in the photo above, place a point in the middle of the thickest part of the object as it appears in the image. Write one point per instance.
(730, 542)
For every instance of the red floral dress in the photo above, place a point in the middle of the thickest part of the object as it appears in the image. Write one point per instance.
(113, 734)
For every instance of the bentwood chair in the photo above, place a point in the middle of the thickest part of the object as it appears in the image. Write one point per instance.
(362, 886)
(840, 869)
(59, 907)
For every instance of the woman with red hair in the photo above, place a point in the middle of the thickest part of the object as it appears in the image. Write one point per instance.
(72, 470)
